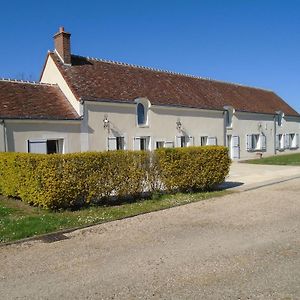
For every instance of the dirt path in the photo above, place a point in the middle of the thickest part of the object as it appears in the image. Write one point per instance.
(242, 246)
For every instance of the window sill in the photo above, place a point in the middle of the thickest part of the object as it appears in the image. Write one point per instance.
(143, 126)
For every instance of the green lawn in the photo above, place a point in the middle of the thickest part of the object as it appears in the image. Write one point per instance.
(19, 220)
(287, 159)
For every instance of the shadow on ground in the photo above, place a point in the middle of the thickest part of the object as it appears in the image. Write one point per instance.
(229, 184)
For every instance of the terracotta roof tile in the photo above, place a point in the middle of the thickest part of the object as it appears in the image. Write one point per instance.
(95, 79)
(28, 100)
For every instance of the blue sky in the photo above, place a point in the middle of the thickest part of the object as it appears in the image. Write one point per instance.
(252, 42)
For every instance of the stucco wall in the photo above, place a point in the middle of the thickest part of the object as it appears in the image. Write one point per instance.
(19, 132)
(161, 124)
(253, 123)
(2, 137)
(52, 75)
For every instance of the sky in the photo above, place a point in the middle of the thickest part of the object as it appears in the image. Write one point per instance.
(250, 42)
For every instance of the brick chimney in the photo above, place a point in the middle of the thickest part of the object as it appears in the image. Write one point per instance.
(63, 46)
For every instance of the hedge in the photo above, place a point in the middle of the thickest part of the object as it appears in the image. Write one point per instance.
(69, 180)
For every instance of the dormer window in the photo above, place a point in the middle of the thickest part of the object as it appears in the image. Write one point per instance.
(142, 109)
(141, 114)
(229, 111)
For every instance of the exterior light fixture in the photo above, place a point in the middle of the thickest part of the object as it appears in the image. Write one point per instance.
(178, 124)
(105, 122)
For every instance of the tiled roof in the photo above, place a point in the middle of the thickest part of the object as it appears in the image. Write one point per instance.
(96, 79)
(31, 100)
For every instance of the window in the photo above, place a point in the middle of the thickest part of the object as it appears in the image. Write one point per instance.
(228, 114)
(228, 118)
(256, 142)
(169, 144)
(280, 142)
(294, 140)
(141, 114)
(208, 140)
(287, 141)
(160, 144)
(184, 141)
(211, 141)
(45, 146)
(116, 143)
(203, 140)
(142, 143)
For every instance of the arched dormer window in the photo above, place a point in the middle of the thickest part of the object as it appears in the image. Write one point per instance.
(142, 111)
(141, 114)
(229, 111)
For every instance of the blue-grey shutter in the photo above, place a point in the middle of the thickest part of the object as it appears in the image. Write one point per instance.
(249, 145)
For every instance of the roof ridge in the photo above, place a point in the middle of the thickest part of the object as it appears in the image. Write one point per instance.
(170, 72)
(26, 81)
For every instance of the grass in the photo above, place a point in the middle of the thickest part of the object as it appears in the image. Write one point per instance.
(287, 159)
(18, 220)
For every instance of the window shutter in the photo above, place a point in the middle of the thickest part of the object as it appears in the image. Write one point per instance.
(190, 141)
(169, 144)
(235, 147)
(112, 143)
(178, 141)
(249, 145)
(287, 141)
(137, 143)
(212, 141)
(263, 142)
(37, 146)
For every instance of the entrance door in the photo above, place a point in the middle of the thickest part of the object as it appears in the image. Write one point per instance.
(233, 144)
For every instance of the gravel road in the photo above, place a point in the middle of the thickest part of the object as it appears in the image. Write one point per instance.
(241, 246)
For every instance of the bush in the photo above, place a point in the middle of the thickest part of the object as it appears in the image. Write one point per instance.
(192, 168)
(70, 180)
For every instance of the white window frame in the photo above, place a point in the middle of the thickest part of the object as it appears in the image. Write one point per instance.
(112, 143)
(256, 142)
(137, 143)
(146, 104)
(60, 145)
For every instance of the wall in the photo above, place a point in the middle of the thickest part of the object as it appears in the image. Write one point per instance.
(19, 131)
(2, 136)
(52, 75)
(161, 124)
(254, 123)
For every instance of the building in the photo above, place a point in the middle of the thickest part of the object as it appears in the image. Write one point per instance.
(87, 104)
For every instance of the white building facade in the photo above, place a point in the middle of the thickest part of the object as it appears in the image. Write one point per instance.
(101, 105)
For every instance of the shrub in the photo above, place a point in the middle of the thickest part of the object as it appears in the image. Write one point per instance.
(192, 168)
(69, 180)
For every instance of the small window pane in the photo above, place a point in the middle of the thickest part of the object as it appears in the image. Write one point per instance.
(141, 114)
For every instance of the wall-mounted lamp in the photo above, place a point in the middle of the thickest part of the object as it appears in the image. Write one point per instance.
(105, 122)
(178, 124)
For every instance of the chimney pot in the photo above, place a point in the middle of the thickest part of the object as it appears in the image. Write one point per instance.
(61, 29)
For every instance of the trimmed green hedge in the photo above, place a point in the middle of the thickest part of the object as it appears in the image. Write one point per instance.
(192, 168)
(63, 181)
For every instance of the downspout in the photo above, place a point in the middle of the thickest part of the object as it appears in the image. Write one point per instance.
(4, 135)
